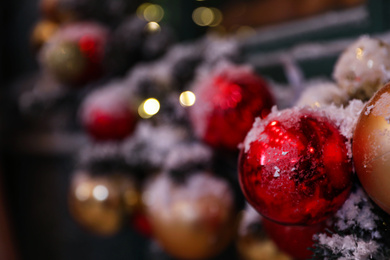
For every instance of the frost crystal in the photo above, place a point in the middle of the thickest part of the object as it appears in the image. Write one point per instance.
(350, 247)
(277, 170)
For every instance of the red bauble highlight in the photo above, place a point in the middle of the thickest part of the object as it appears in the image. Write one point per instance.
(92, 48)
(294, 168)
(107, 115)
(294, 240)
(227, 102)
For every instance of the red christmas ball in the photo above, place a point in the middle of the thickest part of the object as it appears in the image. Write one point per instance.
(227, 102)
(141, 224)
(74, 55)
(293, 240)
(107, 114)
(294, 168)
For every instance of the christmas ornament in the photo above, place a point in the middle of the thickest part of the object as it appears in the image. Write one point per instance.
(294, 167)
(294, 240)
(252, 241)
(191, 220)
(227, 101)
(74, 55)
(323, 94)
(371, 146)
(134, 40)
(95, 203)
(141, 224)
(42, 32)
(108, 114)
(363, 68)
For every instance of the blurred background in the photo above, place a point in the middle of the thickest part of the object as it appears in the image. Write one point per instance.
(35, 169)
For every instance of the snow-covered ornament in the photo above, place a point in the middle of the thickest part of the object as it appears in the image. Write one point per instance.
(363, 68)
(74, 55)
(294, 167)
(323, 94)
(108, 114)
(371, 147)
(194, 219)
(227, 102)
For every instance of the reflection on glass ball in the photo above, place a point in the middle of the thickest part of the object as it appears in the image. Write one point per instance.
(66, 62)
(98, 203)
(195, 220)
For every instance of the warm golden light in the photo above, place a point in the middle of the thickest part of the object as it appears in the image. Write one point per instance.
(82, 192)
(153, 13)
(100, 192)
(141, 9)
(148, 108)
(153, 27)
(218, 17)
(187, 99)
(203, 16)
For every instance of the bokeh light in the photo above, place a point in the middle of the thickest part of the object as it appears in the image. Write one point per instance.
(153, 13)
(149, 108)
(205, 16)
(100, 192)
(153, 27)
(187, 99)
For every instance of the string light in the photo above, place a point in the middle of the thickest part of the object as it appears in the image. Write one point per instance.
(187, 99)
(153, 27)
(153, 13)
(203, 16)
(141, 10)
(100, 192)
(149, 108)
(150, 12)
(218, 17)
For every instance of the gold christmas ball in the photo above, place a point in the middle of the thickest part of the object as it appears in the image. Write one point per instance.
(192, 220)
(252, 241)
(66, 62)
(42, 32)
(98, 203)
(371, 148)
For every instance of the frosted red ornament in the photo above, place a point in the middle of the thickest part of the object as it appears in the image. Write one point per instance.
(294, 168)
(107, 114)
(294, 240)
(227, 102)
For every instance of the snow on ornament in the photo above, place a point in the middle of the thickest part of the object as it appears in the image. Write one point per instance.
(108, 114)
(363, 67)
(227, 101)
(371, 147)
(322, 94)
(194, 219)
(294, 166)
(74, 55)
